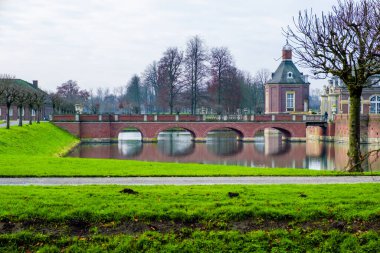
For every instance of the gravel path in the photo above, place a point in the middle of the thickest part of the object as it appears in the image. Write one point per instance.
(186, 180)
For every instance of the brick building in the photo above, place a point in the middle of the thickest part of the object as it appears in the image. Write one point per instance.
(47, 110)
(288, 89)
(335, 98)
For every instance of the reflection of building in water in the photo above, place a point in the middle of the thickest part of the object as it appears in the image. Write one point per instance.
(316, 155)
(273, 144)
(335, 98)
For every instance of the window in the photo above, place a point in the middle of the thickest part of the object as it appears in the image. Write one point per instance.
(375, 104)
(10, 112)
(290, 75)
(33, 113)
(289, 101)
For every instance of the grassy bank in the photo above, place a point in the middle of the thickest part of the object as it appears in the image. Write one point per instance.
(26, 166)
(34, 151)
(42, 139)
(327, 218)
(280, 240)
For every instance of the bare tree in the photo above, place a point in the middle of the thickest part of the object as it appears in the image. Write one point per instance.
(9, 91)
(134, 94)
(261, 77)
(150, 87)
(170, 70)
(41, 97)
(31, 103)
(71, 94)
(56, 101)
(345, 43)
(21, 101)
(221, 65)
(121, 98)
(195, 69)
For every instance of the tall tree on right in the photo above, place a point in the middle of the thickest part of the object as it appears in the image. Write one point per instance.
(344, 42)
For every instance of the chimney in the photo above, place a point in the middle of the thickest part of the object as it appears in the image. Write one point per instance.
(35, 84)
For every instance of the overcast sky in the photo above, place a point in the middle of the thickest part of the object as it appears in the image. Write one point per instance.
(103, 43)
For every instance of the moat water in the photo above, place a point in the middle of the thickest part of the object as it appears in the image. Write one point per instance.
(222, 147)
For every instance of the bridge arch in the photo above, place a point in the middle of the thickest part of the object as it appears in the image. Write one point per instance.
(239, 132)
(287, 132)
(167, 127)
(130, 133)
(122, 127)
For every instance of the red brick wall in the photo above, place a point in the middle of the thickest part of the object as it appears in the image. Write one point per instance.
(369, 127)
(71, 127)
(131, 118)
(314, 132)
(277, 97)
(64, 118)
(95, 130)
(89, 117)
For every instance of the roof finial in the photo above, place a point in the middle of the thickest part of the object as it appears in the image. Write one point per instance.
(287, 51)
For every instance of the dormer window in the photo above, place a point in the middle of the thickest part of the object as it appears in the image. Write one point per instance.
(290, 74)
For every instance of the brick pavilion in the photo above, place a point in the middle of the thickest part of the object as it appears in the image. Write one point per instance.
(288, 89)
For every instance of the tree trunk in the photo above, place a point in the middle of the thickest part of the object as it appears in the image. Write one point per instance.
(8, 119)
(39, 112)
(354, 163)
(171, 99)
(20, 116)
(30, 116)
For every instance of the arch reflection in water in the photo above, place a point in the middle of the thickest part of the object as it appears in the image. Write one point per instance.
(224, 142)
(175, 143)
(130, 148)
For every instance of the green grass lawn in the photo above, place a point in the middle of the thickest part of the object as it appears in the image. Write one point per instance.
(328, 218)
(35, 151)
(191, 203)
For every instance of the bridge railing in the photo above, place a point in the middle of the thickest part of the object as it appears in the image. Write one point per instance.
(190, 118)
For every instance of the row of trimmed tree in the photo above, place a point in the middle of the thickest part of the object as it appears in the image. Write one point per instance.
(15, 93)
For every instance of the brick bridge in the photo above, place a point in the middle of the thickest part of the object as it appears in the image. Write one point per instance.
(106, 128)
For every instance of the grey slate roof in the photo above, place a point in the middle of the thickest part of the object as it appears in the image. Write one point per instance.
(281, 74)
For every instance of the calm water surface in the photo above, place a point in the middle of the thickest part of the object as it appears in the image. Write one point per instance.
(222, 147)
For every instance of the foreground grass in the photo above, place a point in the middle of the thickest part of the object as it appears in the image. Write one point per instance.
(191, 219)
(195, 203)
(33, 151)
(198, 241)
